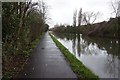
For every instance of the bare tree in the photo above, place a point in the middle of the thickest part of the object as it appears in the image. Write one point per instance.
(116, 8)
(74, 18)
(23, 7)
(90, 17)
(116, 11)
(80, 17)
(43, 9)
(31, 8)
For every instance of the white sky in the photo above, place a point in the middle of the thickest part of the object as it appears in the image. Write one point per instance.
(61, 11)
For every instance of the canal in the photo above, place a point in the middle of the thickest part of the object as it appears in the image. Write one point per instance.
(100, 55)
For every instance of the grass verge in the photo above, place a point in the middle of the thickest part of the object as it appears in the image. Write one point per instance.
(78, 68)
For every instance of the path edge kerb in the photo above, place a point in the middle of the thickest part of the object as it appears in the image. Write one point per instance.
(78, 67)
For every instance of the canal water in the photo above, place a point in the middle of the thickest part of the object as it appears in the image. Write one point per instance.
(100, 55)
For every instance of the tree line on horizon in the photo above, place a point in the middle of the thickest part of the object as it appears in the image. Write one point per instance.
(83, 22)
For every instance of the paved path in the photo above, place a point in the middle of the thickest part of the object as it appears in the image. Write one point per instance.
(47, 62)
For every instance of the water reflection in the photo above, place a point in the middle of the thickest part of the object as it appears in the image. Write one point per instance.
(98, 54)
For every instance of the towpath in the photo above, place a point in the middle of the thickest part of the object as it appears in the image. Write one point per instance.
(47, 61)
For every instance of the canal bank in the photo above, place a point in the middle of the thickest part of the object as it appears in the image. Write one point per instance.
(76, 65)
(100, 55)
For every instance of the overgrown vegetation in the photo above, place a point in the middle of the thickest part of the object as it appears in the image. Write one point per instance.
(109, 29)
(81, 71)
(23, 25)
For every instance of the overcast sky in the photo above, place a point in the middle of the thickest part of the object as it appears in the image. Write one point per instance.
(61, 11)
